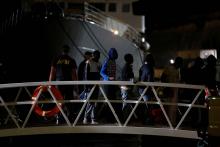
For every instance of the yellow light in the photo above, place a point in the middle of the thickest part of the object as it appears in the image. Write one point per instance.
(115, 32)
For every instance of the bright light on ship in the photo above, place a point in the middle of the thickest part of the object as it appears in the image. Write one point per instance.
(171, 61)
(91, 22)
(86, 48)
(116, 32)
(143, 39)
(147, 45)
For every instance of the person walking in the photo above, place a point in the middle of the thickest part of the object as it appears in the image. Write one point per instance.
(126, 75)
(81, 70)
(63, 68)
(146, 74)
(108, 73)
(92, 70)
(172, 74)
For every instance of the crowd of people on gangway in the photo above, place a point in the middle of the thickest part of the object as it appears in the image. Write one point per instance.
(64, 68)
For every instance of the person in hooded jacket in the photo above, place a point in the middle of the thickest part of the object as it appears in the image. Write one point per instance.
(108, 73)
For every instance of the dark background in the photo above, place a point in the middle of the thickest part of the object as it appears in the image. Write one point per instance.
(171, 26)
(180, 28)
(159, 14)
(162, 15)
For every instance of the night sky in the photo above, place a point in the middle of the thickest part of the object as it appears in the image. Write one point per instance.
(8, 6)
(159, 14)
(166, 14)
(176, 26)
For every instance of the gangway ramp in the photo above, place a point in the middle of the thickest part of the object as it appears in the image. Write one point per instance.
(18, 117)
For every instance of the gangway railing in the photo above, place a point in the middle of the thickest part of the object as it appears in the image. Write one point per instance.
(17, 99)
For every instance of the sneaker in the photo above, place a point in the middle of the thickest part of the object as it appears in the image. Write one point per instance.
(85, 121)
(93, 122)
(57, 120)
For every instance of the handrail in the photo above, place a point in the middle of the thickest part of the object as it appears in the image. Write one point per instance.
(10, 106)
(45, 83)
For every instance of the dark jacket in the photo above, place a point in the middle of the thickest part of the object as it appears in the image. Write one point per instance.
(146, 73)
(109, 67)
(127, 72)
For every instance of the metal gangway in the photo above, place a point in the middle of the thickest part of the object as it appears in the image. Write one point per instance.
(19, 100)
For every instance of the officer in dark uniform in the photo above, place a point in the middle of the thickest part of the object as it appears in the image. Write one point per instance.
(64, 68)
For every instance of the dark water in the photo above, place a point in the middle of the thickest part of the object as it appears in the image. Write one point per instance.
(96, 140)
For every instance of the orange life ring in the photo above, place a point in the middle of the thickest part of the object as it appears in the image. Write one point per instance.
(48, 113)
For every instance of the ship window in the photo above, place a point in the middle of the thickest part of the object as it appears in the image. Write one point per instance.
(126, 7)
(112, 7)
(100, 6)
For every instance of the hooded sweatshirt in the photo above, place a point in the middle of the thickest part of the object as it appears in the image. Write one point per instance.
(109, 67)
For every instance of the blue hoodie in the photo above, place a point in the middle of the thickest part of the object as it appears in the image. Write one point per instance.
(109, 67)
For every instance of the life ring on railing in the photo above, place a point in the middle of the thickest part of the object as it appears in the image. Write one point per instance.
(48, 113)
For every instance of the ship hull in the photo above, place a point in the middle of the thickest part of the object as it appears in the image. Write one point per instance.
(30, 46)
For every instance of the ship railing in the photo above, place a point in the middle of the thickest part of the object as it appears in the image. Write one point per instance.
(16, 99)
(90, 14)
(96, 16)
(11, 20)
